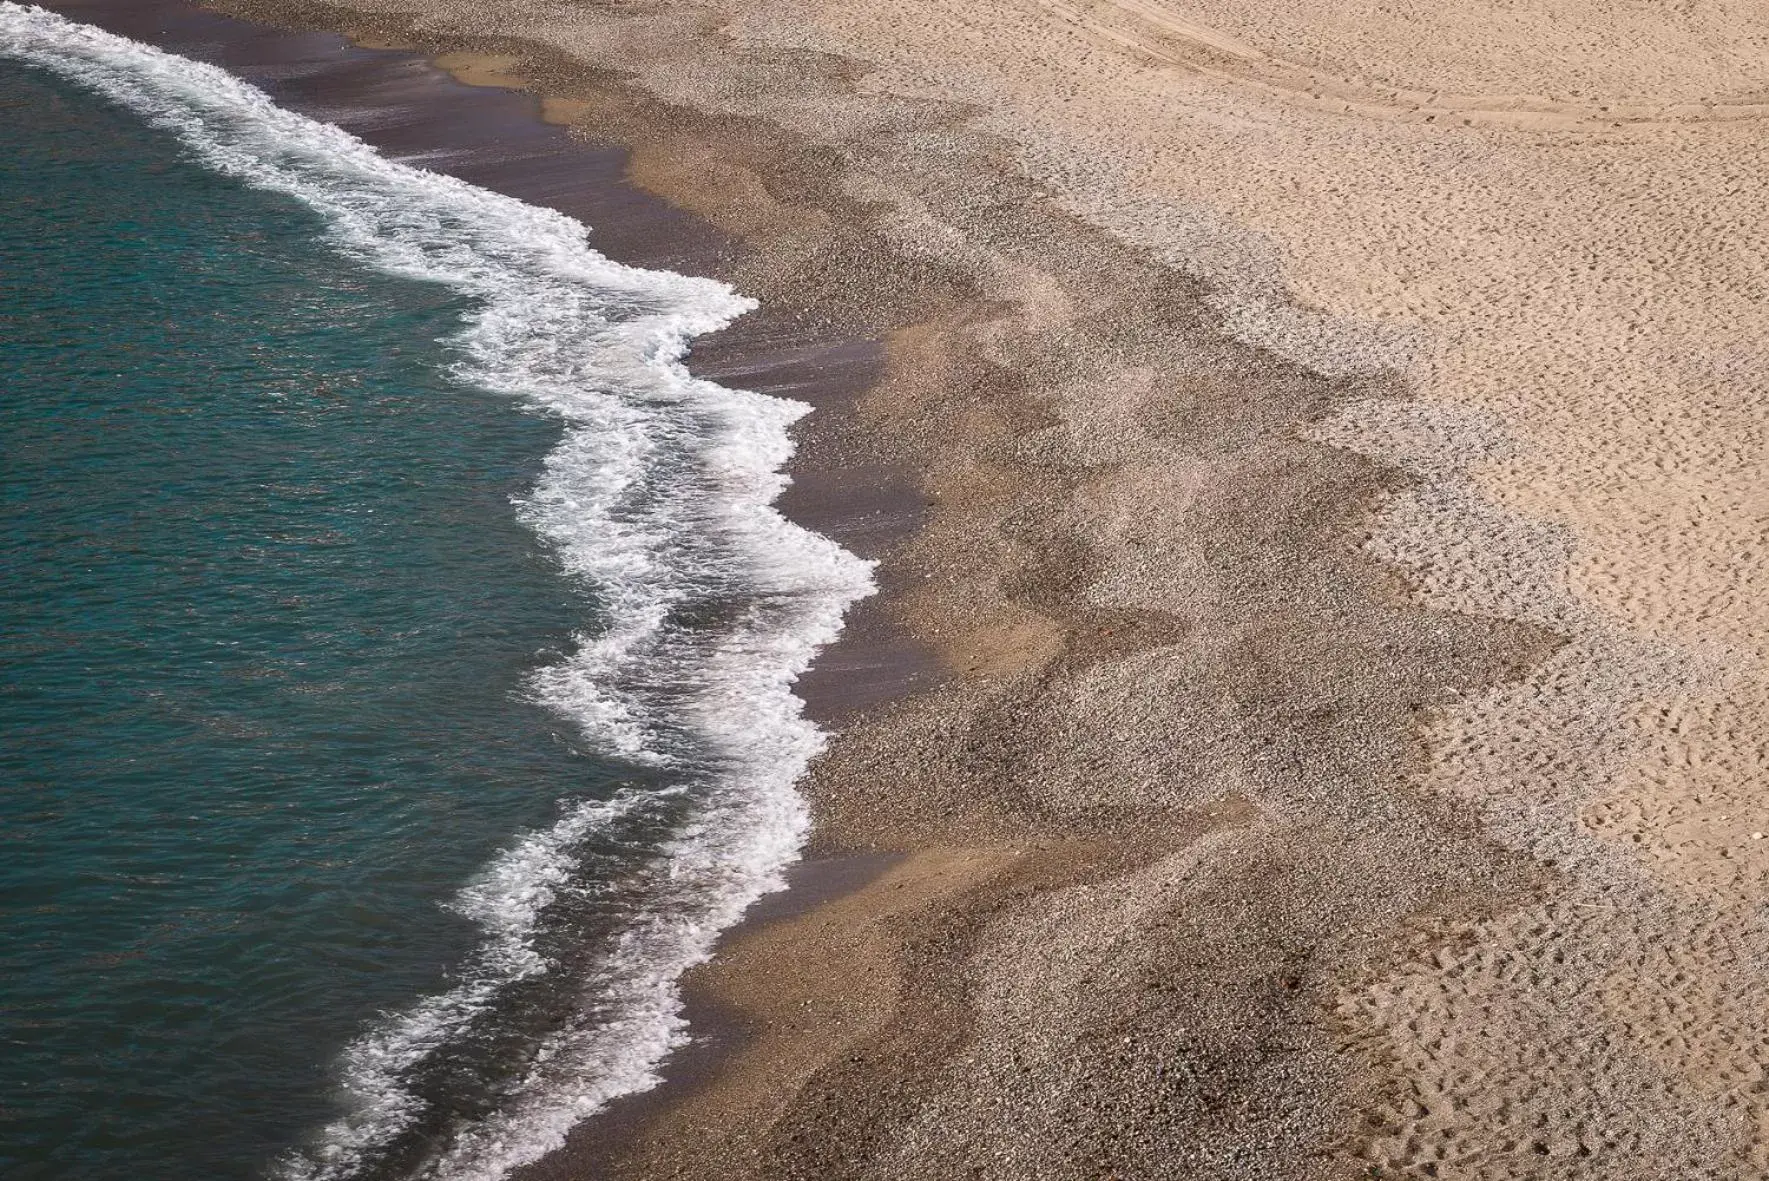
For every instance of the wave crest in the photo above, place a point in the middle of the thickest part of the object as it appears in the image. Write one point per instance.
(658, 499)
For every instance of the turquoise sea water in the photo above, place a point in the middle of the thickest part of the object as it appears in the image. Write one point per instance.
(396, 640)
(265, 622)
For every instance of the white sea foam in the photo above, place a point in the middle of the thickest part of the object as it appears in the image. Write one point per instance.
(657, 498)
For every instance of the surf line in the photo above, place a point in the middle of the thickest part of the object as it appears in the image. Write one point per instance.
(658, 501)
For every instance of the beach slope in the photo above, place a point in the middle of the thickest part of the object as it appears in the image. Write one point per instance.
(1341, 434)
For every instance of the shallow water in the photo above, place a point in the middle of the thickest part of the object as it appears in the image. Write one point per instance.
(267, 615)
(395, 691)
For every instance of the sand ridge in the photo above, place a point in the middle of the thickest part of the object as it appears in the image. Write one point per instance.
(1163, 36)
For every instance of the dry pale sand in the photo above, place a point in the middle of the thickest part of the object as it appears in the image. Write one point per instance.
(1345, 425)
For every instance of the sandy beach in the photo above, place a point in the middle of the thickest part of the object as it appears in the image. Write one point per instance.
(1312, 726)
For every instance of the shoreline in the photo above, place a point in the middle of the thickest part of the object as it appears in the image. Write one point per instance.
(1339, 527)
(782, 1065)
(491, 131)
(824, 1023)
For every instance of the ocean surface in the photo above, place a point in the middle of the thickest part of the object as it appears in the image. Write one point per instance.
(395, 644)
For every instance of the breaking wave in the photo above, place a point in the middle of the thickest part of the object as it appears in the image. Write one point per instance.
(657, 499)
